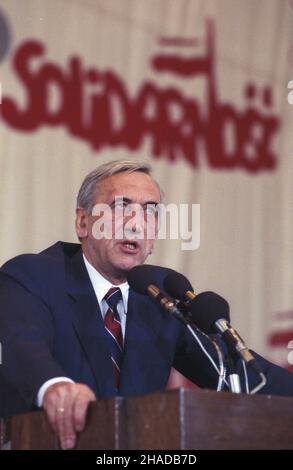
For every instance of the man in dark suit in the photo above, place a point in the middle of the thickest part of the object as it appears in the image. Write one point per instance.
(56, 344)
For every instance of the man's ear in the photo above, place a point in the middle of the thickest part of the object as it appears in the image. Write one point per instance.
(81, 223)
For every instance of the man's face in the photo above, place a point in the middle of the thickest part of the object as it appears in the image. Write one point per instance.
(131, 199)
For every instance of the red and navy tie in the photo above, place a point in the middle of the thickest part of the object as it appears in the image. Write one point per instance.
(113, 329)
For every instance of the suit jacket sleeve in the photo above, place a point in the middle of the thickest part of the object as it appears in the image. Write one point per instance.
(27, 339)
(191, 362)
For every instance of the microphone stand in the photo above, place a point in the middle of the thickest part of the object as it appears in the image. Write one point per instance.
(221, 370)
(232, 376)
(181, 313)
(186, 318)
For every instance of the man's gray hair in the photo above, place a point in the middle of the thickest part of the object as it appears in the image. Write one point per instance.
(88, 190)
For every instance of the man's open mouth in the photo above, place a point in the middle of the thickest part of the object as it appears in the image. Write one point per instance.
(130, 246)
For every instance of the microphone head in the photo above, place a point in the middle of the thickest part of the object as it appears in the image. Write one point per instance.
(140, 277)
(177, 285)
(207, 308)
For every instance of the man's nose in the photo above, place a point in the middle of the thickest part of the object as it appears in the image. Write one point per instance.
(137, 228)
(134, 222)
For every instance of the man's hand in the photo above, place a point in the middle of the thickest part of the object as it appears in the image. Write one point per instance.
(66, 405)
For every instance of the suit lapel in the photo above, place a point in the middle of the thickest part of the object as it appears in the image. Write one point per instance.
(89, 326)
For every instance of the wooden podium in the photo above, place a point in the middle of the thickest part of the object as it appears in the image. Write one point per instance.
(177, 419)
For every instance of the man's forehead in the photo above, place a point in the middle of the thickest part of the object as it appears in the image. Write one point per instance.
(133, 186)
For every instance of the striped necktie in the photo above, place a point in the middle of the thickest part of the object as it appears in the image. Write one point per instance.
(113, 329)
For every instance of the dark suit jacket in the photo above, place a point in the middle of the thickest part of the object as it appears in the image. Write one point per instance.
(50, 325)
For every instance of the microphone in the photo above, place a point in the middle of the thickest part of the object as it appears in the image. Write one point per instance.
(178, 286)
(210, 312)
(141, 280)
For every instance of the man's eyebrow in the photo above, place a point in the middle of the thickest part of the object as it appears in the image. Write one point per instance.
(130, 201)
(121, 199)
(151, 203)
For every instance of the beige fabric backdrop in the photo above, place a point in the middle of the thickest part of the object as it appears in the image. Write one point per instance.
(246, 218)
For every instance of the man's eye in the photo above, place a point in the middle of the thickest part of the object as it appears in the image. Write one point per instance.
(150, 210)
(120, 205)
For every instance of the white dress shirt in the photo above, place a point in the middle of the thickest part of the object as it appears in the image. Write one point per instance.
(101, 287)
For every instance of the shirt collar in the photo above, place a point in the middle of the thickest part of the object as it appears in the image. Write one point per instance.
(102, 285)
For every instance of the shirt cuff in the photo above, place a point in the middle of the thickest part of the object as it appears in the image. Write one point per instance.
(46, 385)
